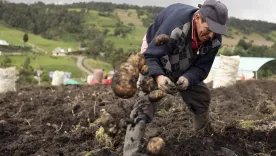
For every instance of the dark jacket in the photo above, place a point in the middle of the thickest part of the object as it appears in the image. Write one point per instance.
(172, 17)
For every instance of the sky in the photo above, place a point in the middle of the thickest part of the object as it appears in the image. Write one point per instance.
(243, 9)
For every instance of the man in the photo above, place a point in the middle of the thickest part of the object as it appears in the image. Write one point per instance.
(183, 63)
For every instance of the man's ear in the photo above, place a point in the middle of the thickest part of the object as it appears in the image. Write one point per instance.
(197, 16)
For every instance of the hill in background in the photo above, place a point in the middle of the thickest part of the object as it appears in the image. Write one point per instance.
(76, 25)
(107, 31)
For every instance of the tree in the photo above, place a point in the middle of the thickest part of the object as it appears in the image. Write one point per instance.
(95, 47)
(45, 78)
(6, 62)
(117, 58)
(26, 73)
(25, 38)
(27, 63)
(105, 32)
(243, 44)
(3, 1)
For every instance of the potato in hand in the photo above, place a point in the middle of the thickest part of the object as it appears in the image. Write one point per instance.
(148, 84)
(161, 40)
(156, 95)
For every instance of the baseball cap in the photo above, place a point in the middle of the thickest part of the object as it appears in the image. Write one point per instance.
(216, 15)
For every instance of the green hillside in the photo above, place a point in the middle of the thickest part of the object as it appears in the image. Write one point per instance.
(92, 64)
(78, 25)
(110, 30)
(132, 40)
(48, 63)
(15, 37)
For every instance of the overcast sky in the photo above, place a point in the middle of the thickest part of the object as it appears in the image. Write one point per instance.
(244, 9)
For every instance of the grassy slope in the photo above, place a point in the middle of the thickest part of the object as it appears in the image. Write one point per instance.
(100, 21)
(257, 38)
(14, 36)
(49, 63)
(129, 16)
(92, 64)
(132, 41)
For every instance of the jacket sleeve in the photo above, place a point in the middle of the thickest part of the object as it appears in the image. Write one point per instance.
(201, 68)
(153, 56)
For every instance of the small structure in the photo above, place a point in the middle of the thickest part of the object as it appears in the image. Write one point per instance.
(247, 64)
(59, 52)
(3, 42)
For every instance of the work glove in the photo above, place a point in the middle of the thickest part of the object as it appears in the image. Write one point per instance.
(182, 83)
(166, 85)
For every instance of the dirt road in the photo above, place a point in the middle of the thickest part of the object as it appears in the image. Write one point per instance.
(80, 65)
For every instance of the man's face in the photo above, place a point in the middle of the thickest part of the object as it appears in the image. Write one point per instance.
(203, 32)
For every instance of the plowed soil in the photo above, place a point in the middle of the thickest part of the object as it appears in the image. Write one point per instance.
(63, 121)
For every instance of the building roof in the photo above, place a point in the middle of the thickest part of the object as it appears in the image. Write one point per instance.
(58, 50)
(247, 63)
(3, 42)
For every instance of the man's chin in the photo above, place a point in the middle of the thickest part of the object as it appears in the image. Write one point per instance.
(203, 40)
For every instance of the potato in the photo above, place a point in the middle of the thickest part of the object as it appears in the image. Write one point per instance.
(133, 59)
(137, 60)
(108, 123)
(125, 79)
(124, 83)
(142, 60)
(148, 84)
(3, 122)
(130, 68)
(144, 70)
(161, 40)
(156, 95)
(155, 145)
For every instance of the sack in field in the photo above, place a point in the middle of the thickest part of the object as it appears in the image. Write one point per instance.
(7, 79)
(228, 71)
(58, 78)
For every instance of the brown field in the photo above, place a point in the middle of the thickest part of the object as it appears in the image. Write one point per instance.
(63, 121)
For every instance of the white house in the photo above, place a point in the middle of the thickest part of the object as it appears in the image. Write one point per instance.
(59, 52)
(3, 42)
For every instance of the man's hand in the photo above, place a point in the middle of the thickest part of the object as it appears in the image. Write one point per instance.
(182, 83)
(165, 84)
